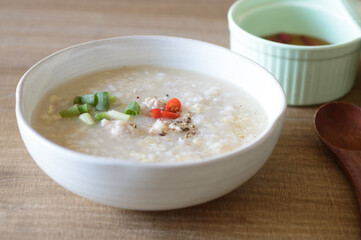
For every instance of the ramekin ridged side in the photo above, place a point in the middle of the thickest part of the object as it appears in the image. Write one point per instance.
(307, 77)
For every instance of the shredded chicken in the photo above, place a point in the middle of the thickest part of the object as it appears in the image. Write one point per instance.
(183, 125)
(159, 128)
(152, 103)
(118, 127)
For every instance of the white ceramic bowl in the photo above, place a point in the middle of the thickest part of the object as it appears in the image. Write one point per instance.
(308, 74)
(149, 186)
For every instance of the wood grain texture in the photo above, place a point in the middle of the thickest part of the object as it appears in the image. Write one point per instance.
(299, 194)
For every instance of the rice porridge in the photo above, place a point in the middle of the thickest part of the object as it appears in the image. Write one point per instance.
(149, 114)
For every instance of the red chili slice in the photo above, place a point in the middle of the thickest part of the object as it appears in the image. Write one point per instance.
(155, 113)
(173, 105)
(169, 115)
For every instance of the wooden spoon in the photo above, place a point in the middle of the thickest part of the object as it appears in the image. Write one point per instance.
(338, 125)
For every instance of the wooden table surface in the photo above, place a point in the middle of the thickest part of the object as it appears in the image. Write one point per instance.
(299, 194)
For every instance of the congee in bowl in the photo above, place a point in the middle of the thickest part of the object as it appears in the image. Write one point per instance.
(149, 122)
(127, 113)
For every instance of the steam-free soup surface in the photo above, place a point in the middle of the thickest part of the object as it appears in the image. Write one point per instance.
(215, 116)
(296, 39)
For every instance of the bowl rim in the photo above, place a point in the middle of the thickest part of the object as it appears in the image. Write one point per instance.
(235, 28)
(23, 125)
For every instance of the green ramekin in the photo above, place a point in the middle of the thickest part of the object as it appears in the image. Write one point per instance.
(308, 74)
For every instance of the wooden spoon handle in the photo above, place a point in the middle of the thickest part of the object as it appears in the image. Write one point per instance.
(350, 162)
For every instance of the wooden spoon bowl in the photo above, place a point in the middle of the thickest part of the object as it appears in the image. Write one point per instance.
(338, 125)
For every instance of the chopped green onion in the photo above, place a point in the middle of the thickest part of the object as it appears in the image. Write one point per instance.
(83, 108)
(77, 100)
(132, 109)
(70, 112)
(112, 99)
(101, 116)
(90, 99)
(115, 115)
(87, 118)
(103, 101)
